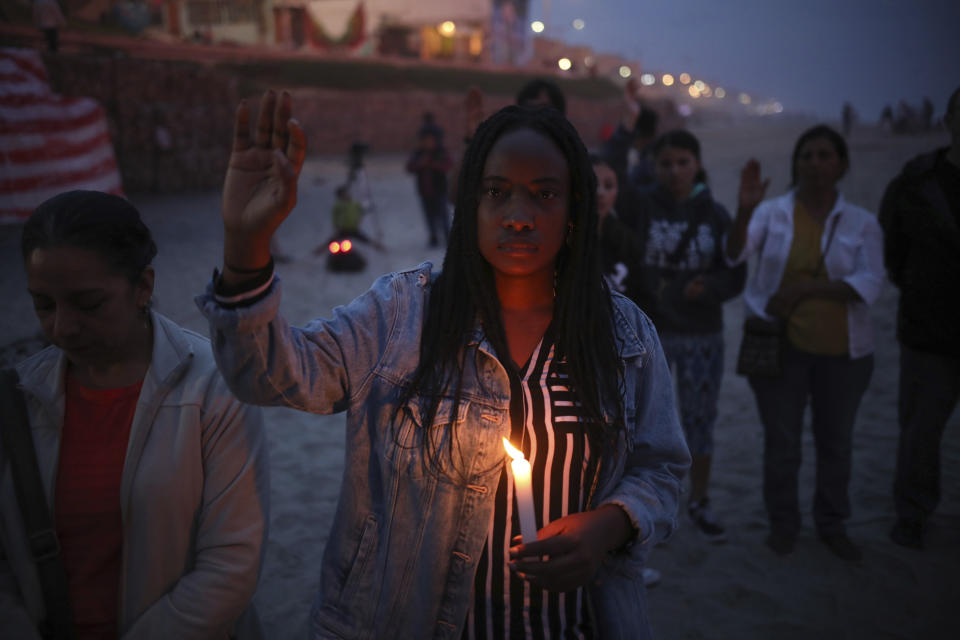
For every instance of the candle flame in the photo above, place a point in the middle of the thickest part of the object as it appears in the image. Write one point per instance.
(514, 453)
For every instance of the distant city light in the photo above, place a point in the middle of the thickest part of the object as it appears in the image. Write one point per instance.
(537, 27)
(777, 107)
(720, 93)
(564, 64)
(744, 98)
(685, 110)
(448, 28)
(706, 92)
(693, 91)
(684, 78)
(625, 71)
(588, 61)
(667, 80)
(579, 24)
(648, 79)
(699, 84)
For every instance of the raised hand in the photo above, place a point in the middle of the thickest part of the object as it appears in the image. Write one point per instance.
(753, 187)
(260, 188)
(631, 105)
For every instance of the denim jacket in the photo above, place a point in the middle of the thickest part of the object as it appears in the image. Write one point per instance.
(404, 542)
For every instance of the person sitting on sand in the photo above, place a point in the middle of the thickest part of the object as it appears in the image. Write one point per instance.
(820, 268)
(155, 476)
(517, 339)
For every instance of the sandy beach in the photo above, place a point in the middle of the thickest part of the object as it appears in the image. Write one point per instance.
(736, 590)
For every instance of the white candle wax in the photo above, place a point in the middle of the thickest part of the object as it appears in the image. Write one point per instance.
(523, 489)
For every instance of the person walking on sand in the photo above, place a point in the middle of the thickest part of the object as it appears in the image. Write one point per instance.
(920, 215)
(154, 475)
(820, 267)
(516, 340)
(430, 163)
(678, 274)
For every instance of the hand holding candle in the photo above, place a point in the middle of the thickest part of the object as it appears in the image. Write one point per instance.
(523, 489)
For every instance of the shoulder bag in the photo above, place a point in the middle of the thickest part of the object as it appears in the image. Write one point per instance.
(761, 350)
(44, 545)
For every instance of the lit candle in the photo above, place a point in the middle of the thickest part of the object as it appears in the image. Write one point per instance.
(523, 489)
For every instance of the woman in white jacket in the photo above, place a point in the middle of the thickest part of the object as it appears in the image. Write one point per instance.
(819, 267)
(156, 477)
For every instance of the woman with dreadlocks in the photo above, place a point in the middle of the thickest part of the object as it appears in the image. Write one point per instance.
(517, 337)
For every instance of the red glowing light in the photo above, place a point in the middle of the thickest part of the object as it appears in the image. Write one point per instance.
(334, 247)
(346, 245)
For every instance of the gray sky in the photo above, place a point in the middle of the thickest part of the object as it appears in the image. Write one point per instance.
(811, 55)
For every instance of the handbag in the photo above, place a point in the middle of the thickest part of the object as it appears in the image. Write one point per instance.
(763, 343)
(44, 545)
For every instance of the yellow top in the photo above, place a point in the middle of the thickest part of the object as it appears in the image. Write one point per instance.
(816, 325)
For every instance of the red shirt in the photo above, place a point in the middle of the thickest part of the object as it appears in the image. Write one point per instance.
(96, 427)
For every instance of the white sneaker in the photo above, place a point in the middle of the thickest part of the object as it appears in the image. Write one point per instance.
(651, 577)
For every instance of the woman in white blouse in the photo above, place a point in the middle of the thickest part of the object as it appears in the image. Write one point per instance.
(819, 267)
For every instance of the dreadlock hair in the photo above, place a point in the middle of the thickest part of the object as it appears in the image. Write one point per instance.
(465, 291)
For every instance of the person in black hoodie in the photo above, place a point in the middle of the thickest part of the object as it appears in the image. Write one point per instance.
(667, 252)
(920, 216)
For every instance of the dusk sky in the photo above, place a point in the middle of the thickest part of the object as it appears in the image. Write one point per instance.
(811, 55)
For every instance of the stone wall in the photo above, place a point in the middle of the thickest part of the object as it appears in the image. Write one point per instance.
(172, 121)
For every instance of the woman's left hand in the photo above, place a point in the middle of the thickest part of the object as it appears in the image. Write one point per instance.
(569, 551)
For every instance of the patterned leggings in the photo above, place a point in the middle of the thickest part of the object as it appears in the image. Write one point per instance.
(699, 369)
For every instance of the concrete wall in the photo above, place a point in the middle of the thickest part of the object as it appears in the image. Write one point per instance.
(172, 122)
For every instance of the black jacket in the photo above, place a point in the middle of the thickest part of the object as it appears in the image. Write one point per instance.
(651, 252)
(920, 217)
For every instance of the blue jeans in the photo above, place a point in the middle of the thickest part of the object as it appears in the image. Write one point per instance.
(834, 386)
(929, 389)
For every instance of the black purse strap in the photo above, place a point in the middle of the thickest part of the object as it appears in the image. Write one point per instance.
(823, 256)
(44, 545)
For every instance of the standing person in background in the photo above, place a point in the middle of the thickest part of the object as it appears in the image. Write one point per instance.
(430, 164)
(920, 215)
(636, 130)
(48, 17)
(155, 476)
(847, 117)
(517, 337)
(820, 267)
(678, 275)
(614, 251)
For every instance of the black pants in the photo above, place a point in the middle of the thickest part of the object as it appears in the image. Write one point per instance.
(53, 39)
(437, 217)
(834, 386)
(929, 389)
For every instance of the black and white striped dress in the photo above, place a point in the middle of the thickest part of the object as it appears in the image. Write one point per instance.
(546, 423)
